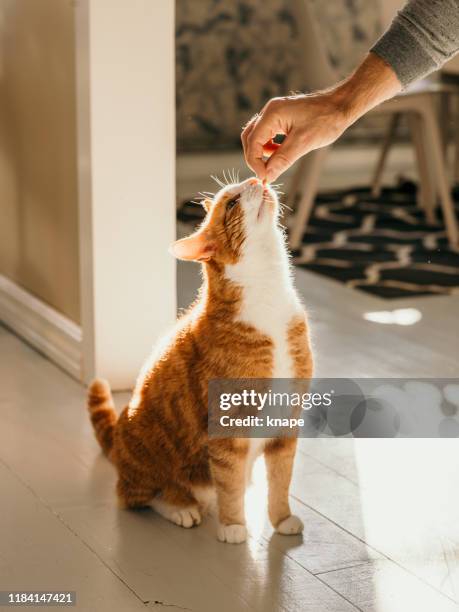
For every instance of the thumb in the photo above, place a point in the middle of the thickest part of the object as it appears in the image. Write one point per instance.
(288, 152)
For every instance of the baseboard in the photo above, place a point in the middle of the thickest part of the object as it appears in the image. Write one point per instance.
(44, 328)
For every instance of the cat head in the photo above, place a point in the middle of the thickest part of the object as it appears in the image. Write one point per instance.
(239, 215)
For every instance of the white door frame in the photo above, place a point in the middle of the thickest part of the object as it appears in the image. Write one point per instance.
(126, 170)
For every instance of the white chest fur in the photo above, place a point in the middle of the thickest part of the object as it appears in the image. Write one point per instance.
(269, 299)
(269, 303)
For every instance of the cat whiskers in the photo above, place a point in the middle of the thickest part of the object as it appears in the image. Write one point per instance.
(217, 180)
(281, 205)
(279, 193)
(230, 176)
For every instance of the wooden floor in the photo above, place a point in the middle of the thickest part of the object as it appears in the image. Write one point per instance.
(381, 517)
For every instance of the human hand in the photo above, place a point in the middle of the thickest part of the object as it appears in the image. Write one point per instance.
(307, 121)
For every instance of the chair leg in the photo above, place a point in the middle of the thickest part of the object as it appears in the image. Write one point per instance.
(456, 140)
(294, 185)
(426, 194)
(444, 118)
(387, 143)
(309, 182)
(439, 167)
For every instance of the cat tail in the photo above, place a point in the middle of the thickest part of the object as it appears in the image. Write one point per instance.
(102, 412)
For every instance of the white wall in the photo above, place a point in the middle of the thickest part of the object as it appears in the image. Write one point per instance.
(126, 112)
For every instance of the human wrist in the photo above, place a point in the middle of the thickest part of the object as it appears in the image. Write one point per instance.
(372, 83)
(343, 105)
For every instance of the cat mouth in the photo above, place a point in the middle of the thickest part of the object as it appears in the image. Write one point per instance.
(267, 202)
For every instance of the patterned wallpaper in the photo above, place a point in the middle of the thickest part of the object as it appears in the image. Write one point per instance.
(349, 28)
(233, 55)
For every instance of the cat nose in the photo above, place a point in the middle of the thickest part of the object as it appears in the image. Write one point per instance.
(253, 185)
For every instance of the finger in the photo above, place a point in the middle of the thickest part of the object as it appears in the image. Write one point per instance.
(262, 131)
(246, 133)
(247, 129)
(288, 152)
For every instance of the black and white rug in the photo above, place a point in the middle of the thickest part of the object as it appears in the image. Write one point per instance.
(379, 245)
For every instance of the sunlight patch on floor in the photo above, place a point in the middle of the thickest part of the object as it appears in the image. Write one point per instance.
(399, 316)
(407, 502)
(256, 500)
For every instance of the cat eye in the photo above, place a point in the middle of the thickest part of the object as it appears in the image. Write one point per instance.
(232, 203)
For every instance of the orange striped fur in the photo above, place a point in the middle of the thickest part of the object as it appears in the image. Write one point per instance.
(159, 444)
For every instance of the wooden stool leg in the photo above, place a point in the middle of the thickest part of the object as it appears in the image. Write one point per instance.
(295, 182)
(310, 179)
(444, 118)
(439, 167)
(387, 143)
(426, 194)
(456, 139)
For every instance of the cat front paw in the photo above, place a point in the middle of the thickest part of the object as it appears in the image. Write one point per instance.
(186, 517)
(292, 525)
(232, 534)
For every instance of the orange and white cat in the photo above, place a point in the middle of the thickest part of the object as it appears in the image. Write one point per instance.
(247, 322)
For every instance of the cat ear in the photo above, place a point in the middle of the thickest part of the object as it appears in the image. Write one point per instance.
(207, 204)
(196, 247)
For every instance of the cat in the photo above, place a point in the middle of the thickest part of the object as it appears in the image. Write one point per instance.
(247, 322)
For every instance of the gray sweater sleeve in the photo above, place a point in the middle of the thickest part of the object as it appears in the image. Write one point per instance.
(422, 37)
